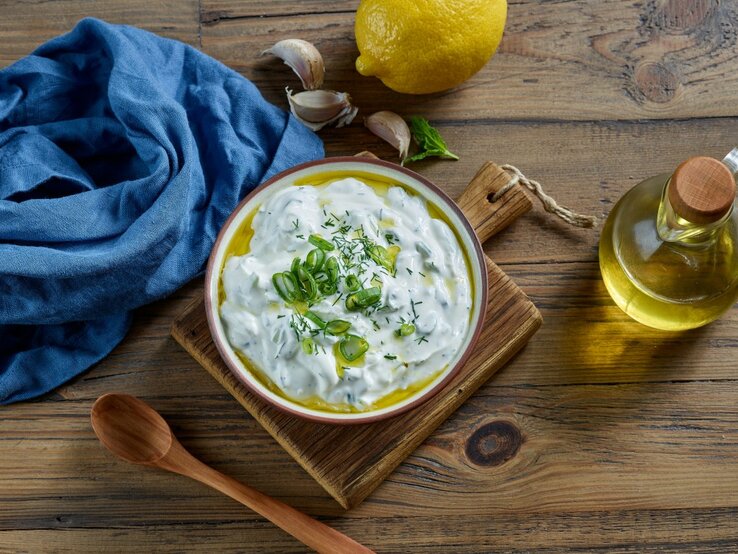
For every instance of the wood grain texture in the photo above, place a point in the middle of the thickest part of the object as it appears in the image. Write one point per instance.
(628, 433)
(25, 24)
(576, 60)
(647, 531)
(702, 190)
(488, 215)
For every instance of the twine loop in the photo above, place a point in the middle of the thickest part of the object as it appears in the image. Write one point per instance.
(549, 204)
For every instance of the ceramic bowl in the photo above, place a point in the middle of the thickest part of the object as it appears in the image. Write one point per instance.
(382, 170)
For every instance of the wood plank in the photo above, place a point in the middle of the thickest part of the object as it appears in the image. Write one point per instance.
(26, 24)
(595, 342)
(608, 60)
(665, 531)
(581, 449)
(216, 11)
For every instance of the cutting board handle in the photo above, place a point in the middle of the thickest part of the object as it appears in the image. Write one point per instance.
(487, 217)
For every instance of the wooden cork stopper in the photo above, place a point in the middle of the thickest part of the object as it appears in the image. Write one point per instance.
(702, 190)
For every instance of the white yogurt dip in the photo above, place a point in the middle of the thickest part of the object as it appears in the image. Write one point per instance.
(424, 289)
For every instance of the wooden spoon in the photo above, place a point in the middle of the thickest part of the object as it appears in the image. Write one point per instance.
(134, 431)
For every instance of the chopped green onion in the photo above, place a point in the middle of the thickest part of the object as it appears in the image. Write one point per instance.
(295, 264)
(307, 282)
(321, 277)
(405, 330)
(352, 347)
(312, 316)
(383, 257)
(337, 327)
(286, 286)
(314, 260)
(308, 345)
(331, 267)
(327, 288)
(390, 356)
(352, 282)
(363, 298)
(320, 242)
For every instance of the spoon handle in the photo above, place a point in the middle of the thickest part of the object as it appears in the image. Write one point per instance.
(304, 528)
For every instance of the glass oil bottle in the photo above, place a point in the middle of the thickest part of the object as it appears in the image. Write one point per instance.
(669, 248)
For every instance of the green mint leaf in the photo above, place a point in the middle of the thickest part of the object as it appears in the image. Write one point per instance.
(429, 140)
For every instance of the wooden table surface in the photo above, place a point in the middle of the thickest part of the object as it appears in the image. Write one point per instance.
(607, 436)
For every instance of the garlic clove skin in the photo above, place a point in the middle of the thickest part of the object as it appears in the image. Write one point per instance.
(318, 108)
(303, 58)
(392, 128)
(347, 117)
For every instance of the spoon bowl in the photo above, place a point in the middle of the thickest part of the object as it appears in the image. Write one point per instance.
(131, 429)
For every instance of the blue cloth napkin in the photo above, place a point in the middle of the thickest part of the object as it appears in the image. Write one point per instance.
(121, 155)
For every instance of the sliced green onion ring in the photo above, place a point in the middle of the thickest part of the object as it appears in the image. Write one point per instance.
(331, 267)
(352, 282)
(321, 277)
(337, 327)
(352, 347)
(314, 260)
(327, 288)
(307, 282)
(315, 318)
(320, 242)
(363, 298)
(286, 286)
(295, 264)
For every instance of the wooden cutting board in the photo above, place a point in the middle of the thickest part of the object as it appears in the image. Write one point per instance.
(350, 461)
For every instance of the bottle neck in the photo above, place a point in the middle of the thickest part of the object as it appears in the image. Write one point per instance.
(673, 228)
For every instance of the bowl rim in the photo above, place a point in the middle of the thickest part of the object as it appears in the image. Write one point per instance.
(328, 417)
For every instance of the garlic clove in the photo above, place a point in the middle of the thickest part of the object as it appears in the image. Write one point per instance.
(318, 108)
(392, 128)
(303, 58)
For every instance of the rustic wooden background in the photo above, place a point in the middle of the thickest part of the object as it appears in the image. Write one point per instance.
(602, 435)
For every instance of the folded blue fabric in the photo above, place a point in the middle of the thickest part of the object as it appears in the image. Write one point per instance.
(121, 155)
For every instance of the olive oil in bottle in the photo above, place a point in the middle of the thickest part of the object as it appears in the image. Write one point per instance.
(669, 248)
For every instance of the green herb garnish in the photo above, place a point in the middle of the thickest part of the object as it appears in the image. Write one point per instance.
(307, 283)
(287, 287)
(363, 298)
(315, 260)
(382, 256)
(312, 316)
(429, 140)
(320, 242)
(308, 345)
(331, 268)
(352, 347)
(337, 327)
(352, 282)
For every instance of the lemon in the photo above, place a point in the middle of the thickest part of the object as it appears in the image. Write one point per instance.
(423, 46)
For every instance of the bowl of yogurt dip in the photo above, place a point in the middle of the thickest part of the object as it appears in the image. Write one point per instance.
(346, 290)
